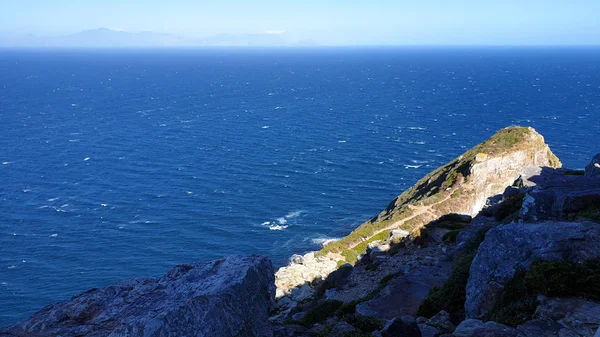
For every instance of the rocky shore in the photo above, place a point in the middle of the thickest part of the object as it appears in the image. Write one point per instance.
(501, 241)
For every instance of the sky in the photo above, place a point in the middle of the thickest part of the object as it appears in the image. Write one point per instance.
(351, 22)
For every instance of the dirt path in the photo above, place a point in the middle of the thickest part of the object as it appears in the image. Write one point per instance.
(418, 211)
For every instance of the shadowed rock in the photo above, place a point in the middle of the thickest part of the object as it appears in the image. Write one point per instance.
(515, 246)
(227, 297)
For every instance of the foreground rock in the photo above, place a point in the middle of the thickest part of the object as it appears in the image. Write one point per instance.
(516, 245)
(560, 194)
(227, 297)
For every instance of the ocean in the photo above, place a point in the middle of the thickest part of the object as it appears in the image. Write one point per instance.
(122, 163)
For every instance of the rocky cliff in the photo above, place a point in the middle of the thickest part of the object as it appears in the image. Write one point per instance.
(500, 241)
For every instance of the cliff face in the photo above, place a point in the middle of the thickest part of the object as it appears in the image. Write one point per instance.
(462, 186)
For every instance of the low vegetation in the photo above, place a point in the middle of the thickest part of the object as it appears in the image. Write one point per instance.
(451, 295)
(557, 278)
(592, 213)
(431, 189)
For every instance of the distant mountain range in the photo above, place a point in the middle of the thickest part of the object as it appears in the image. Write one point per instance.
(112, 38)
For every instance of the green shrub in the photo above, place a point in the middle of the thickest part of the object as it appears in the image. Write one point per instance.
(365, 323)
(509, 206)
(592, 213)
(451, 295)
(321, 312)
(557, 278)
(451, 235)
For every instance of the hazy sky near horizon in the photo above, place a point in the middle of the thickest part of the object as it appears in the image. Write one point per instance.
(351, 22)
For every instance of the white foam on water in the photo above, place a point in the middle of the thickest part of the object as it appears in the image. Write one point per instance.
(277, 227)
(53, 235)
(5, 162)
(86, 158)
(265, 126)
(294, 214)
(53, 199)
(12, 267)
(103, 205)
(412, 166)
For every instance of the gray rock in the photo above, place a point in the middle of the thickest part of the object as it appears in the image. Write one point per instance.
(544, 328)
(397, 327)
(301, 293)
(227, 297)
(575, 314)
(397, 235)
(341, 328)
(515, 246)
(476, 328)
(429, 331)
(404, 294)
(298, 316)
(593, 168)
(297, 259)
(442, 321)
(557, 195)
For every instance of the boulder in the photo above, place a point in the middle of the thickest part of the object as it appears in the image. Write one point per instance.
(340, 329)
(558, 195)
(397, 235)
(593, 168)
(573, 314)
(442, 321)
(515, 246)
(477, 328)
(401, 327)
(227, 297)
(295, 275)
(429, 331)
(404, 294)
(544, 328)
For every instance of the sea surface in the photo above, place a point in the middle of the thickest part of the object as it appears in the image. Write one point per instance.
(117, 164)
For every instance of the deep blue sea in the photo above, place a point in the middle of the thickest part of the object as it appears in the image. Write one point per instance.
(116, 164)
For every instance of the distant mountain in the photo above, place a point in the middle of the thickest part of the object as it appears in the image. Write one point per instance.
(111, 38)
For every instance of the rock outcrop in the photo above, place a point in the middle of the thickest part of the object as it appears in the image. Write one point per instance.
(560, 194)
(227, 297)
(593, 168)
(515, 246)
(462, 186)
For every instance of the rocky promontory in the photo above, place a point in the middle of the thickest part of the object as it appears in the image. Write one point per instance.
(501, 241)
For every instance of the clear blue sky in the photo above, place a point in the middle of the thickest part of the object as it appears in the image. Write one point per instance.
(353, 22)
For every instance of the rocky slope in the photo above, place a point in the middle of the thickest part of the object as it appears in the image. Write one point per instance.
(462, 186)
(500, 241)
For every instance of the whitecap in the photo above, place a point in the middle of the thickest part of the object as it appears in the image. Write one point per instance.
(293, 214)
(323, 241)
(342, 141)
(103, 205)
(5, 162)
(277, 227)
(282, 221)
(86, 158)
(53, 235)
(12, 267)
(26, 190)
(265, 126)
(412, 166)
(53, 199)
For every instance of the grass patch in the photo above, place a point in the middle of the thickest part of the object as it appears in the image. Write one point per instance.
(451, 235)
(320, 313)
(557, 278)
(365, 323)
(509, 206)
(592, 213)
